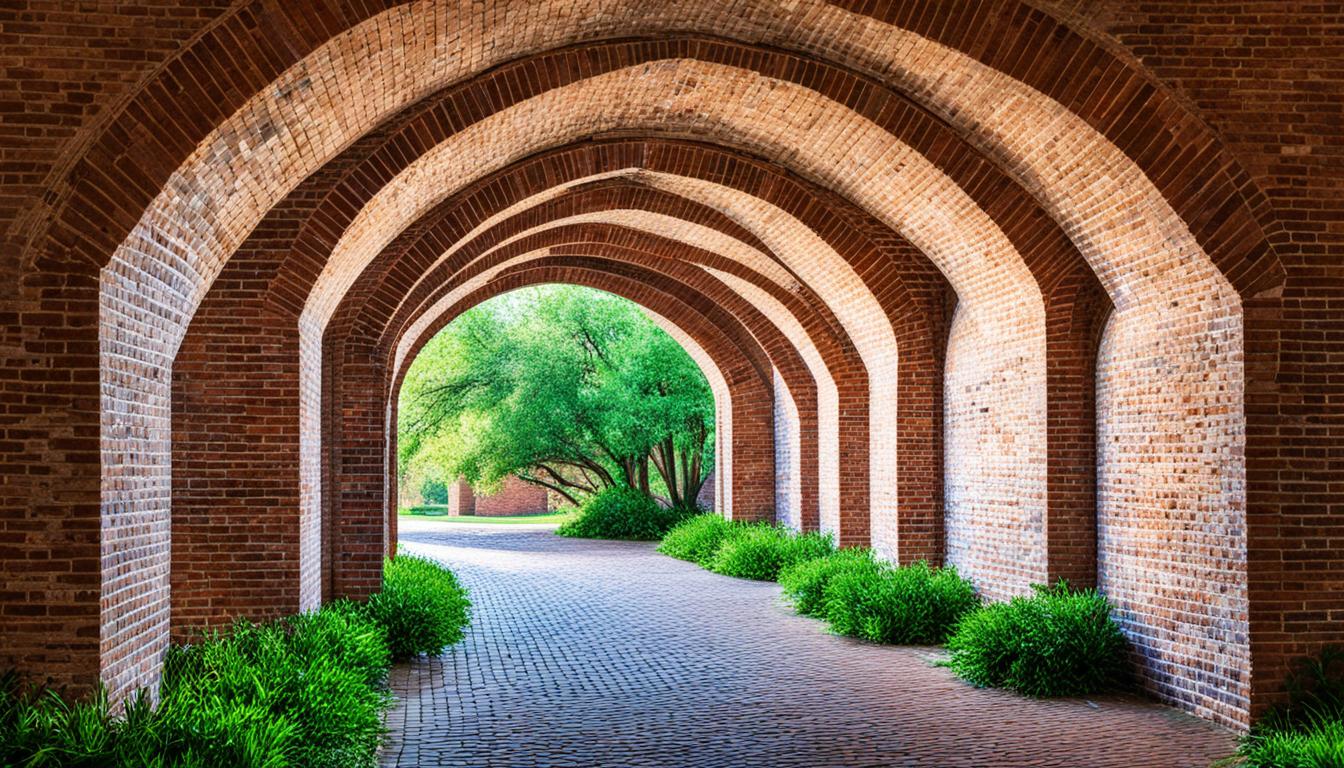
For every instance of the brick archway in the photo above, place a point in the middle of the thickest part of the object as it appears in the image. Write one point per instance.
(1130, 185)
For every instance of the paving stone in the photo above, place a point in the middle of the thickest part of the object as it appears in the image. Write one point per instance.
(596, 653)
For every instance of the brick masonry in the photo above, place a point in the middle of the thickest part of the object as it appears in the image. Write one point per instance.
(514, 497)
(1089, 248)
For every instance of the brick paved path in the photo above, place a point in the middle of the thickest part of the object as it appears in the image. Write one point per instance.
(586, 653)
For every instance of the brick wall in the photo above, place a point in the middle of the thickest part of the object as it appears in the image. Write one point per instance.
(516, 497)
(461, 499)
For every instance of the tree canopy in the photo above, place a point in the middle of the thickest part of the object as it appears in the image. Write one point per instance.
(566, 387)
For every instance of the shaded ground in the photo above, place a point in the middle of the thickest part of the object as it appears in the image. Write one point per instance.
(587, 653)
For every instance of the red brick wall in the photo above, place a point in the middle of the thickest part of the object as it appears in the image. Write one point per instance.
(461, 499)
(1266, 77)
(516, 497)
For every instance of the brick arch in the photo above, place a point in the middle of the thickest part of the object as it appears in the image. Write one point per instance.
(750, 388)
(995, 486)
(608, 202)
(563, 164)
(356, 365)
(1029, 21)
(860, 238)
(225, 327)
(680, 262)
(736, 387)
(171, 97)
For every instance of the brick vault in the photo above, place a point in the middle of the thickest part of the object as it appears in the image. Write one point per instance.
(1040, 289)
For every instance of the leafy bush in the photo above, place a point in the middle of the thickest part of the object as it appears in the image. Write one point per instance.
(433, 492)
(307, 690)
(422, 608)
(697, 538)
(913, 604)
(321, 674)
(623, 513)
(1057, 642)
(760, 552)
(1308, 732)
(805, 582)
(38, 728)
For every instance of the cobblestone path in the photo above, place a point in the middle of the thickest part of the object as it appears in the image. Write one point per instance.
(589, 653)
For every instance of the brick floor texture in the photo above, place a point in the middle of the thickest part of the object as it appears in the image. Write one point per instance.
(1037, 288)
(598, 653)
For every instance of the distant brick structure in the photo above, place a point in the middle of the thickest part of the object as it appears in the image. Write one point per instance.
(515, 497)
(1037, 289)
(461, 499)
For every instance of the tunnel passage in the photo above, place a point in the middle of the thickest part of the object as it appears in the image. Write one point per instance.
(1039, 290)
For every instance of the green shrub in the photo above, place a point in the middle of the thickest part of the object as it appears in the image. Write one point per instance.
(911, 605)
(623, 513)
(697, 538)
(307, 690)
(422, 607)
(1315, 744)
(1308, 732)
(1057, 642)
(38, 728)
(805, 582)
(433, 492)
(760, 551)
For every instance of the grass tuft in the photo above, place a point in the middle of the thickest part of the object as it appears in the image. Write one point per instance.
(306, 690)
(805, 583)
(422, 607)
(760, 552)
(1307, 732)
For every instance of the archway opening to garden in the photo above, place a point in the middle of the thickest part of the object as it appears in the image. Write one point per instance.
(530, 405)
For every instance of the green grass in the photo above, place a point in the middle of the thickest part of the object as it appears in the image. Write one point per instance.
(905, 605)
(554, 518)
(805, 583)
(1308, 731)
(697, 538)
(422, 608)
(760, 552)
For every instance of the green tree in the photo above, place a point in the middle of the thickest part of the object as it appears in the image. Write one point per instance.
(569, 388)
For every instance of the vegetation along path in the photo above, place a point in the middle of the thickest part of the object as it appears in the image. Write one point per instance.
(596, 653)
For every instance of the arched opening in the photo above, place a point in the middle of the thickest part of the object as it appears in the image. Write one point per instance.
(568, 389)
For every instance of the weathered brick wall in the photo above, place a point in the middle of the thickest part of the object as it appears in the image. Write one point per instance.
(1135, 212)
(1267, 77)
